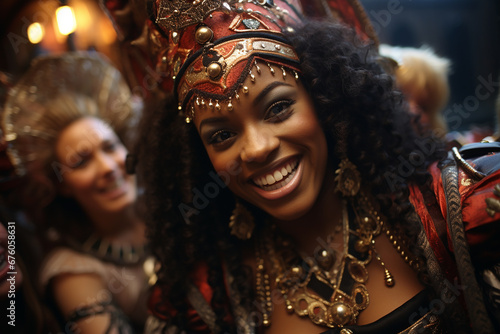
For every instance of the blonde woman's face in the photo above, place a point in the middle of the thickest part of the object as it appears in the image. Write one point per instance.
(92, 168)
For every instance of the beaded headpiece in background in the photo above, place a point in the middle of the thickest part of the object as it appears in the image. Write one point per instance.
(50, 77)
(208, 47)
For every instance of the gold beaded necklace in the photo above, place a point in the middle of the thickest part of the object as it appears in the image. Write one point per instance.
(328, 287)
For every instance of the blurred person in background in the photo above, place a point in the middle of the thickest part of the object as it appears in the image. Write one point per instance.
(422, 76)
(68, 121)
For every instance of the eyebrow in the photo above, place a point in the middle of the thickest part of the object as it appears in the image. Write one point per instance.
(211, 120)
(256, 101)
(268, 89)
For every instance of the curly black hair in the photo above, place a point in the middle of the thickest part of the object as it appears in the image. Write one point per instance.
(364, 118)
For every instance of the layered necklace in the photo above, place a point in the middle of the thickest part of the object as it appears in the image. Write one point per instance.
(328, 286)
(123, 253)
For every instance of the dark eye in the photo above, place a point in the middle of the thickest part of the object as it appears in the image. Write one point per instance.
(279, 111)
(110, 146)
(220, 137)
(80, 163)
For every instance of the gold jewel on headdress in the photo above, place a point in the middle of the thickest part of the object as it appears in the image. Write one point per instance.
(328, 287)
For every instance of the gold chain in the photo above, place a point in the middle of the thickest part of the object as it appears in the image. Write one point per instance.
(328, 287)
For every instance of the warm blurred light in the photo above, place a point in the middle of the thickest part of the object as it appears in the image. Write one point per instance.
(84, 18)
(107, 31)
(35, 33)
(66, 21)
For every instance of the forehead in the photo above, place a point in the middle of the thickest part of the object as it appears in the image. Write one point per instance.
(257, 85)
(87, 130)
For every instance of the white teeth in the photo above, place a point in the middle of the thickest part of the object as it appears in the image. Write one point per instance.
(115, 184)
(278, 176)
(263, 181)
(270, 179)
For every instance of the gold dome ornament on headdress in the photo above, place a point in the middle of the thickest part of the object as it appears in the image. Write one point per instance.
(53, 78)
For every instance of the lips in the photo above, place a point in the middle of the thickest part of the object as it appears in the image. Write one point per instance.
(277, 178)
(280, 181)
(114, 189)
(116, 183)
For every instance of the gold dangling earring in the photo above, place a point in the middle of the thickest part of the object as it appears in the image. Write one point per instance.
(348, 178)
(241, 222)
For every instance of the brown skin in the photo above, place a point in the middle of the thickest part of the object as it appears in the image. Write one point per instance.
(94, 173)
(383, 299)
(265, 133)
(74, 291)
(258, 143)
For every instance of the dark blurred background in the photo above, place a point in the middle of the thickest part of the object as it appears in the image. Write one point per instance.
(465, 31)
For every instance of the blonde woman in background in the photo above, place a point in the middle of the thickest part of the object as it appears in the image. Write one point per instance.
(422, 76)
(67, 122)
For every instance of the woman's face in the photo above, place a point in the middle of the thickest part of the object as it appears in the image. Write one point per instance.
(271, 145)
(92, 169)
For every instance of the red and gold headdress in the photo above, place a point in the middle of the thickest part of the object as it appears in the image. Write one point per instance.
(203, 50)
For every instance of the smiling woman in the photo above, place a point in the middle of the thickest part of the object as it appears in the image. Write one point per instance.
(330, 212)
(92, 150)
(275, 121)
(67, 121)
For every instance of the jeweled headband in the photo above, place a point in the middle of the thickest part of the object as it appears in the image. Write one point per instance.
(204, 49)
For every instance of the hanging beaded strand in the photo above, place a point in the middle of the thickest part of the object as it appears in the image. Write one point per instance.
(262, 282)
(397, 240)
(401, 245)
(217, 105)
(370, 226)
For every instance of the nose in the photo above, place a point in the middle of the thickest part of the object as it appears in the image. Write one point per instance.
(107, 163)
(258, 144)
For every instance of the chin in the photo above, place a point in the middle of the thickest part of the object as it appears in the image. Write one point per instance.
(289, 212)
(122, 204)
